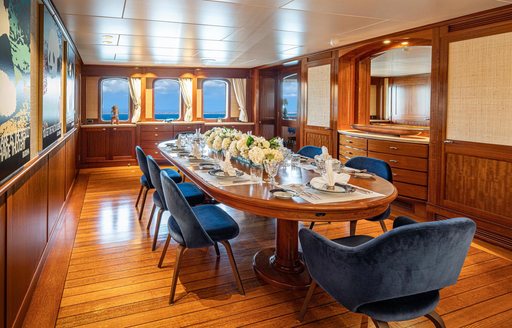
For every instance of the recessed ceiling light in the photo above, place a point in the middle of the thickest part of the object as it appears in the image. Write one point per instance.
(386, 41)
(107, 39)
(404, 43)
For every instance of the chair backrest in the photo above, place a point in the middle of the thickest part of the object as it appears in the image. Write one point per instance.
(143, 163)
(191, 230)
(373, 165)
(310, 151)
(154, 173)
(407, 260)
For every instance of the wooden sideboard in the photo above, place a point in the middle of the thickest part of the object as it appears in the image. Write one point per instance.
(112, 145)
(408, 158)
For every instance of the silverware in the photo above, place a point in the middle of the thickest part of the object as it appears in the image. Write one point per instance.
(227, 183)
(364, 191)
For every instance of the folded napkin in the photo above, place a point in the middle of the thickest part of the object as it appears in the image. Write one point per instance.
(226, 165)
(325, 153)
(196, 152)
(329, 174)
(319, 182)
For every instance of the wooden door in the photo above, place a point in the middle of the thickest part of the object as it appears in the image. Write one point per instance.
(471, 148)
(267, 103)
(94, 145)
(320, 102)
(288, 114)
(121, 143)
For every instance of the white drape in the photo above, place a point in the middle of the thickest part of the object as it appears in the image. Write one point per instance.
(186, 94)
(240, 88)
(135, 93)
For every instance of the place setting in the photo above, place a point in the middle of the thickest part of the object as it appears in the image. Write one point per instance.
(223, 173)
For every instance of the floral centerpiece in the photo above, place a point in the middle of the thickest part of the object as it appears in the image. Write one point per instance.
(257, 150)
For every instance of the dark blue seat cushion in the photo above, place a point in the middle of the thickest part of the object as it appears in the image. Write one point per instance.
(144, 182)
(353, 241)
(218, 224)
(403, 308)
(175, 176)
(192, 194)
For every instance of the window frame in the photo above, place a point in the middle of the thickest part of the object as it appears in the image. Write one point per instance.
(181, 106)
(100, 99)
(228, 117)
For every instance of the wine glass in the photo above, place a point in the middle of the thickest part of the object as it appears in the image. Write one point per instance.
(271, 167)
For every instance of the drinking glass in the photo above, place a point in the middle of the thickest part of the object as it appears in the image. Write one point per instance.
(256, 173)
(295, 160)
(271, 167)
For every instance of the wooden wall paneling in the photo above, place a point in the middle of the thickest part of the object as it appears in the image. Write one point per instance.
(3, 255)
(56, 185)
(26, 237)
(346, 92)
(318, 137)
(71, 160)
(363, 91)
(267, 103)
(410, 99)
(93, 145)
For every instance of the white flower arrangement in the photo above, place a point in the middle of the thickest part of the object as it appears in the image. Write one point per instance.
(253, 148)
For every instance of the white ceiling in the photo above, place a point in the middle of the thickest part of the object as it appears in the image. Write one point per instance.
(402, 61)
(239, 33)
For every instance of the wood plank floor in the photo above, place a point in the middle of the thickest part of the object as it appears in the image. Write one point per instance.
(113, 280)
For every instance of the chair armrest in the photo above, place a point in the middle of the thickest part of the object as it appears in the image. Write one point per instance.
(402, 221)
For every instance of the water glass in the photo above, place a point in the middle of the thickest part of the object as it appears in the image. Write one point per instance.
(295, 160)
(256, 173)
(271, 167)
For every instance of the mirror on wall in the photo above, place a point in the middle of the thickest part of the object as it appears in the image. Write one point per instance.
(400, 86)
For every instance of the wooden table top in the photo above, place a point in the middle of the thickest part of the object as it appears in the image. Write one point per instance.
(257, 198)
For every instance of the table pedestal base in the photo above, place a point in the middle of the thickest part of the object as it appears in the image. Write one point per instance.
(266, 269)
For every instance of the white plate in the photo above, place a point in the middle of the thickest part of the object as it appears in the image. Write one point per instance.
(283, 194)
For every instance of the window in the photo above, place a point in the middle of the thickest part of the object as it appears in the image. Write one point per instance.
(115, 91)
(290, 92)
(167, 99)
(215, 99)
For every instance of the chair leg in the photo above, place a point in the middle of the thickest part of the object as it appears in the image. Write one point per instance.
(380, 324)
(234, 268)
(383, 226)
(353, 225)
(312, 225)
(157, 228)
(436, 319)
(364, 321)
(151, 217)
(138, 197)
(177, 267)
(216, 246)
(164, 251)
(309, 294)
(143, 202)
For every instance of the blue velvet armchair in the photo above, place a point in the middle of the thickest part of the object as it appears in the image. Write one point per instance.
(394, 277)
(310, 151)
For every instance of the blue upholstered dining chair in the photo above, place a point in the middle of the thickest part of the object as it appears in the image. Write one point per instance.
(379, 168)
(192, 194)
(145, 180)
(196, 227)
(394, 277)
(310, 151)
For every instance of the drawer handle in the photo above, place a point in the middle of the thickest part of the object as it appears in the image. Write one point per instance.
(156, 134)
(348, 141)
(395, 175)
(156, 128)
(393, 161)
(392, 147)
(103, 129)
(115, 129)
(349, 152)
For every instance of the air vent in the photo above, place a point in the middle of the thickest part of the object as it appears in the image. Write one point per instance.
(481, 21)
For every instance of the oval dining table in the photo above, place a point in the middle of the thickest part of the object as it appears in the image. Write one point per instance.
(282, 265)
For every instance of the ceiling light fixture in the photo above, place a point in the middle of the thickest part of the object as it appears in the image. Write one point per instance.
(107, 39)
(208, 60)
(404, 43)
(386, 41)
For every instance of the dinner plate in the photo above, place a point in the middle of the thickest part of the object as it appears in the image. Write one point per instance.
(338, 188)
(206, 166)
(219, 174)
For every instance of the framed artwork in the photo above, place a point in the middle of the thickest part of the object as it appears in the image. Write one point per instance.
(52, 80)
(14, 86)
(70, 88)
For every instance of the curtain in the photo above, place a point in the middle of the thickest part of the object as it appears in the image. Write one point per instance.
(240, 88)
(186, 94)
(135, 93)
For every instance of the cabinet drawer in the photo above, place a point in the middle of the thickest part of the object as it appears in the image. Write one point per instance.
(399, 148)
(156, 136)
(355, 142)
(350, 152)
(414, 177)
(410, 190)
(343, 159)
(402, 162)
(156, 128)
